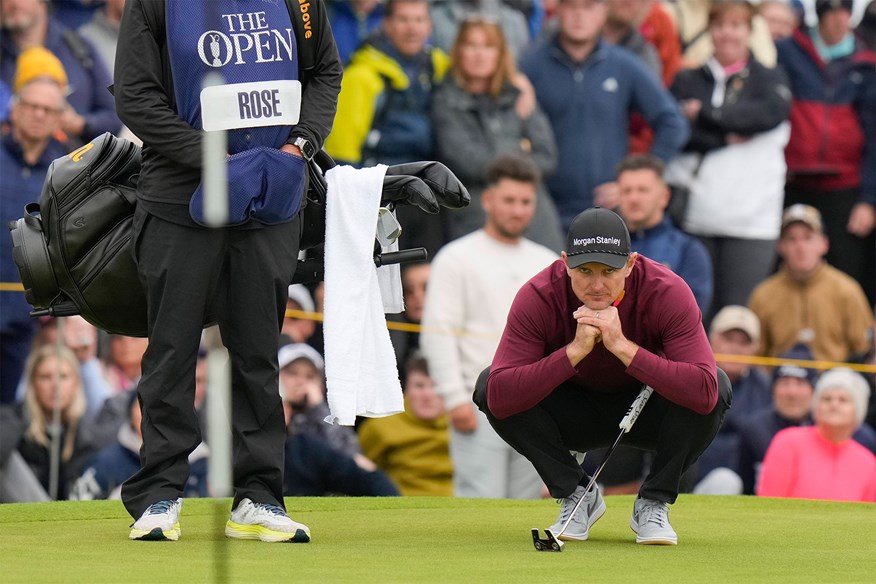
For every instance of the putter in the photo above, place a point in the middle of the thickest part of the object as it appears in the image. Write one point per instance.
(552, 542)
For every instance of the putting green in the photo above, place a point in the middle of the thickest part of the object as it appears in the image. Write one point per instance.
(444, 540)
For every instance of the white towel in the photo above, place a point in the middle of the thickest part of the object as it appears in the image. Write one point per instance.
(361, 372)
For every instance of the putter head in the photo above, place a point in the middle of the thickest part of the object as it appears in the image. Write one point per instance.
(549, 544)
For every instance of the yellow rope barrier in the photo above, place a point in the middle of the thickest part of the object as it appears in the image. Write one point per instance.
(304, 315)
(813, 364)
(753, 360)
(416, 328)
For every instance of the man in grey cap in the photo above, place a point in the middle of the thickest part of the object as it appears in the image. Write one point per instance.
(734, 333)
(582, 338)
(809, 301)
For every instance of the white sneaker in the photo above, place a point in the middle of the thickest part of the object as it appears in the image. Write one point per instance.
(266, 522)
(159, 522)
(650, 521)
(588, 513)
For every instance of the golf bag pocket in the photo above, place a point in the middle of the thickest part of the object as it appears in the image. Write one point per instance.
(264, 185)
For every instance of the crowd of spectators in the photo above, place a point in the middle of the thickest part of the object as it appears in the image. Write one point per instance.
(736, 139)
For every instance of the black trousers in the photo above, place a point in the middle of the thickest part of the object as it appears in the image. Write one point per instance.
(240, 279)
(573, 419)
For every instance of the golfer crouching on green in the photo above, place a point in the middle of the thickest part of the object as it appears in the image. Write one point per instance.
(582, 338)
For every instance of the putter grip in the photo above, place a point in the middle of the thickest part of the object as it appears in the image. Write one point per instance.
(635, 409)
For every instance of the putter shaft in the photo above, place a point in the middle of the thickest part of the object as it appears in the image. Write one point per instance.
(591, 483)
(625, 425)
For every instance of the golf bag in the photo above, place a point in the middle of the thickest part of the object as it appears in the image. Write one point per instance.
(73, 247)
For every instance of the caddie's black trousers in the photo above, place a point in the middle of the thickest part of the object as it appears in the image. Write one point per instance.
(240, 277)
(574, 419)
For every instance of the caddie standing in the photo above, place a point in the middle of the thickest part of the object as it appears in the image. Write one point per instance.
(277, 109)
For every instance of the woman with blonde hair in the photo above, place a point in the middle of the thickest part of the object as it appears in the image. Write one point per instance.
(52, 383)
(486, 108)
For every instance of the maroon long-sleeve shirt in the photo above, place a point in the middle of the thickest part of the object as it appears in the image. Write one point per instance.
(658, 312)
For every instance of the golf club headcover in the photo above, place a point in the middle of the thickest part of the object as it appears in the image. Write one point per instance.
(448, 190)
(408, 190)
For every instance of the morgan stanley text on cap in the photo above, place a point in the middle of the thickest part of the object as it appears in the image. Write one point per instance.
(598, 235)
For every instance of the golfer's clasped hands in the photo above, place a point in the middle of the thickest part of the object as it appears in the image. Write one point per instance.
(595, 326)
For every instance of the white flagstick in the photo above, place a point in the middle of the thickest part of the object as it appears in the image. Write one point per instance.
(219, 470)
(218, 427)
(219, 473)
(215, 178)
(55, 426)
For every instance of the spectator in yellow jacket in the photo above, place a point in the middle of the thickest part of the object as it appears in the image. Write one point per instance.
(413, 447)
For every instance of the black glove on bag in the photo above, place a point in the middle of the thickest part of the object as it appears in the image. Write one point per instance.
(408, 190)
(434, 185)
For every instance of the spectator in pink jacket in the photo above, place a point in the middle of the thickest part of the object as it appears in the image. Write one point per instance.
(822, 461)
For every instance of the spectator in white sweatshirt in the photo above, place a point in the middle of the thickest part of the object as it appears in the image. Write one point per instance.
(471, 287)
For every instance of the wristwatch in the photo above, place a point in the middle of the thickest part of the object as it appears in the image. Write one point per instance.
(306, 147)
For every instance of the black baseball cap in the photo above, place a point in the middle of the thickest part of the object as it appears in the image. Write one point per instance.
(798, 352)
(598, 235)
(822, 7)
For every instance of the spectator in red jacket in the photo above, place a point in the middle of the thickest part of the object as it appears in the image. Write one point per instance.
(833, 136)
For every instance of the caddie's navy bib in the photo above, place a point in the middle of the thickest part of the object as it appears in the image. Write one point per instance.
(252, 45)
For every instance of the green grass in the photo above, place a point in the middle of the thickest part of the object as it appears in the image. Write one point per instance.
(419, 540)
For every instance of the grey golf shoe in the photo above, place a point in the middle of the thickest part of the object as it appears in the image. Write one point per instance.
(650, 521)
(591, 509)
